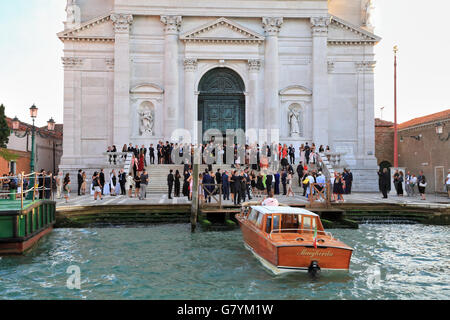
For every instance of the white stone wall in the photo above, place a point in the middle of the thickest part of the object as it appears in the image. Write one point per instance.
(288, 54)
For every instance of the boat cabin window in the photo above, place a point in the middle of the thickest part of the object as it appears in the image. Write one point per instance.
(259, 220)
(269, 223)
(309, 223)
(290, 221)
(253, 215)
(276, 222)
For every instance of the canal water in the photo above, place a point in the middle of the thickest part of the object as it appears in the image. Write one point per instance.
(168, 262)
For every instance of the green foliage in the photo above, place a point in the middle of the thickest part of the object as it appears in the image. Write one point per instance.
(230, 223)
(4, 129)
(8, 155)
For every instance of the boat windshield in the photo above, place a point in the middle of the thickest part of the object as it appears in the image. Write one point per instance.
(292, 223)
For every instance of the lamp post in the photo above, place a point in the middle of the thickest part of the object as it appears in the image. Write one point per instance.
(395, 109)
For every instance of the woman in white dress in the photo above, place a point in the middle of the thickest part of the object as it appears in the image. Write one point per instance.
(289, 185)
(302, 154)
(130, 185)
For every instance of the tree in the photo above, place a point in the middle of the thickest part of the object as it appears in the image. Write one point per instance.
(4, 129)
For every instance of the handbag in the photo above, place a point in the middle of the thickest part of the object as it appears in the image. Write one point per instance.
(422, 184)
(306, 181)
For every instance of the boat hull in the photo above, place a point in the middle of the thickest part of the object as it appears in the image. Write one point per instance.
(283, 257)
(19, 247)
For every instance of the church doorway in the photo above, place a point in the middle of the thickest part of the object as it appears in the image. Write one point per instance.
(221, 102)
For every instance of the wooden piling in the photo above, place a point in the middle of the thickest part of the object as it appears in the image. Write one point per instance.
(194, 206)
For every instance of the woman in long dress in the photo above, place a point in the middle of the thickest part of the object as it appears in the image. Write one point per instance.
(84, 183)
(177, 183)
(338, 187)
(112, 183)
(302, 154)
(289, 185)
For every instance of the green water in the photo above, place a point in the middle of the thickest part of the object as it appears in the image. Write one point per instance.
(168, 262)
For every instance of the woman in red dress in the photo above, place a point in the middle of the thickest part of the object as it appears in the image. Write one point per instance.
(141, 162)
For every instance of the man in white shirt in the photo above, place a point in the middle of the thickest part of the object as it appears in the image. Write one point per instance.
(447, 183)
(412, 184)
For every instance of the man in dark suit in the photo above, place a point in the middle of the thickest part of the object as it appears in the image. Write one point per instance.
(226, 186)
(300, 173)
(143, 150)
(269, 182)
(122, 182)
(385, 182)
(80, 181)
(247, 183)
(159, 152)
(151, 151)
(102, 180)
(284, 181)
(219, 178)
(207, 179)
(277, 183)
(291, 154)
(307, 152)
(170, 181)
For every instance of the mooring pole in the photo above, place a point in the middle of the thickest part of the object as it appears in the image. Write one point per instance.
(194, 206)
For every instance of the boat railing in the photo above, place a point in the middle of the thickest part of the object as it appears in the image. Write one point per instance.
(300, 231)
(18, 192)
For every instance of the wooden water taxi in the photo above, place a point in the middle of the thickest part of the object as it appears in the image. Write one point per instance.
(289, 239)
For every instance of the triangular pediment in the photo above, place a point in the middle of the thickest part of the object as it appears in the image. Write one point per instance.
(343, 32)
(98, 29)
(222, 30)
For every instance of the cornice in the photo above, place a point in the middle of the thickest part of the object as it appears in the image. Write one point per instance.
(367, 38)
(72, 34)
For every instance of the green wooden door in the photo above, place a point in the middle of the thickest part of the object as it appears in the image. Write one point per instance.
(222, 100)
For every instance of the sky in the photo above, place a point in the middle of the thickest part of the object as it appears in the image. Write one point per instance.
(31, 71)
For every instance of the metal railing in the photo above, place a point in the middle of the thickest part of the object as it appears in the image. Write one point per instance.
(19, 192)
(300, 231)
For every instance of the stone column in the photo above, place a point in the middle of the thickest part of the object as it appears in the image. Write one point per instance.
(252, 111)
(319, 27)
(122, 117)
(171, 74)
(190, 104)
(72, 110)
(272, 27)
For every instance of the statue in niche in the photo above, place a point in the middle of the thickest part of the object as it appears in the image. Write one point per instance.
(368, 9)
(146, 121)
(294, 121)
(73, 14)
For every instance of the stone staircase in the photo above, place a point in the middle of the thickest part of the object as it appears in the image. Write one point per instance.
(158, 175)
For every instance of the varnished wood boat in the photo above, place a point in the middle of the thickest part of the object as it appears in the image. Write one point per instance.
(289, 239)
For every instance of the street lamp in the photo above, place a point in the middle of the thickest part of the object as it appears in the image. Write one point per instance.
(395, 109)
(51, 127)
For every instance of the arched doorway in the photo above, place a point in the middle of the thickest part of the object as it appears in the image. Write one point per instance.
(221, 102)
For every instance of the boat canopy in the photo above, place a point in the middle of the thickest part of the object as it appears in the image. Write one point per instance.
(283, 210)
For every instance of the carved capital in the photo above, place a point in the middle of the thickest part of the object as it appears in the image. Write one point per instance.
(365, 66)
(122, 22)
(71, 62)
(190, 64)
(172, 23)
(320, 25)
(272, 25)
(254, 65)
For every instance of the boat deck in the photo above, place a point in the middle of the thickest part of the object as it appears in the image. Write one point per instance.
(7, 205)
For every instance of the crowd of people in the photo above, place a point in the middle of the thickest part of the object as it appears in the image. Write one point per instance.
(399, 178)
(242, 155)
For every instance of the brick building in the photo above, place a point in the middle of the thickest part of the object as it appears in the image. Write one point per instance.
(48, 149)
(424, 144)
(384, 143)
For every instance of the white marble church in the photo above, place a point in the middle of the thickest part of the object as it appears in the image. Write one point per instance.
(137, 70)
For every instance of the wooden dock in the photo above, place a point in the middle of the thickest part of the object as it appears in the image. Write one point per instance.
(23, 224)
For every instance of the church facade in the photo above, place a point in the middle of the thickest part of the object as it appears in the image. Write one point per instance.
(143, 71)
